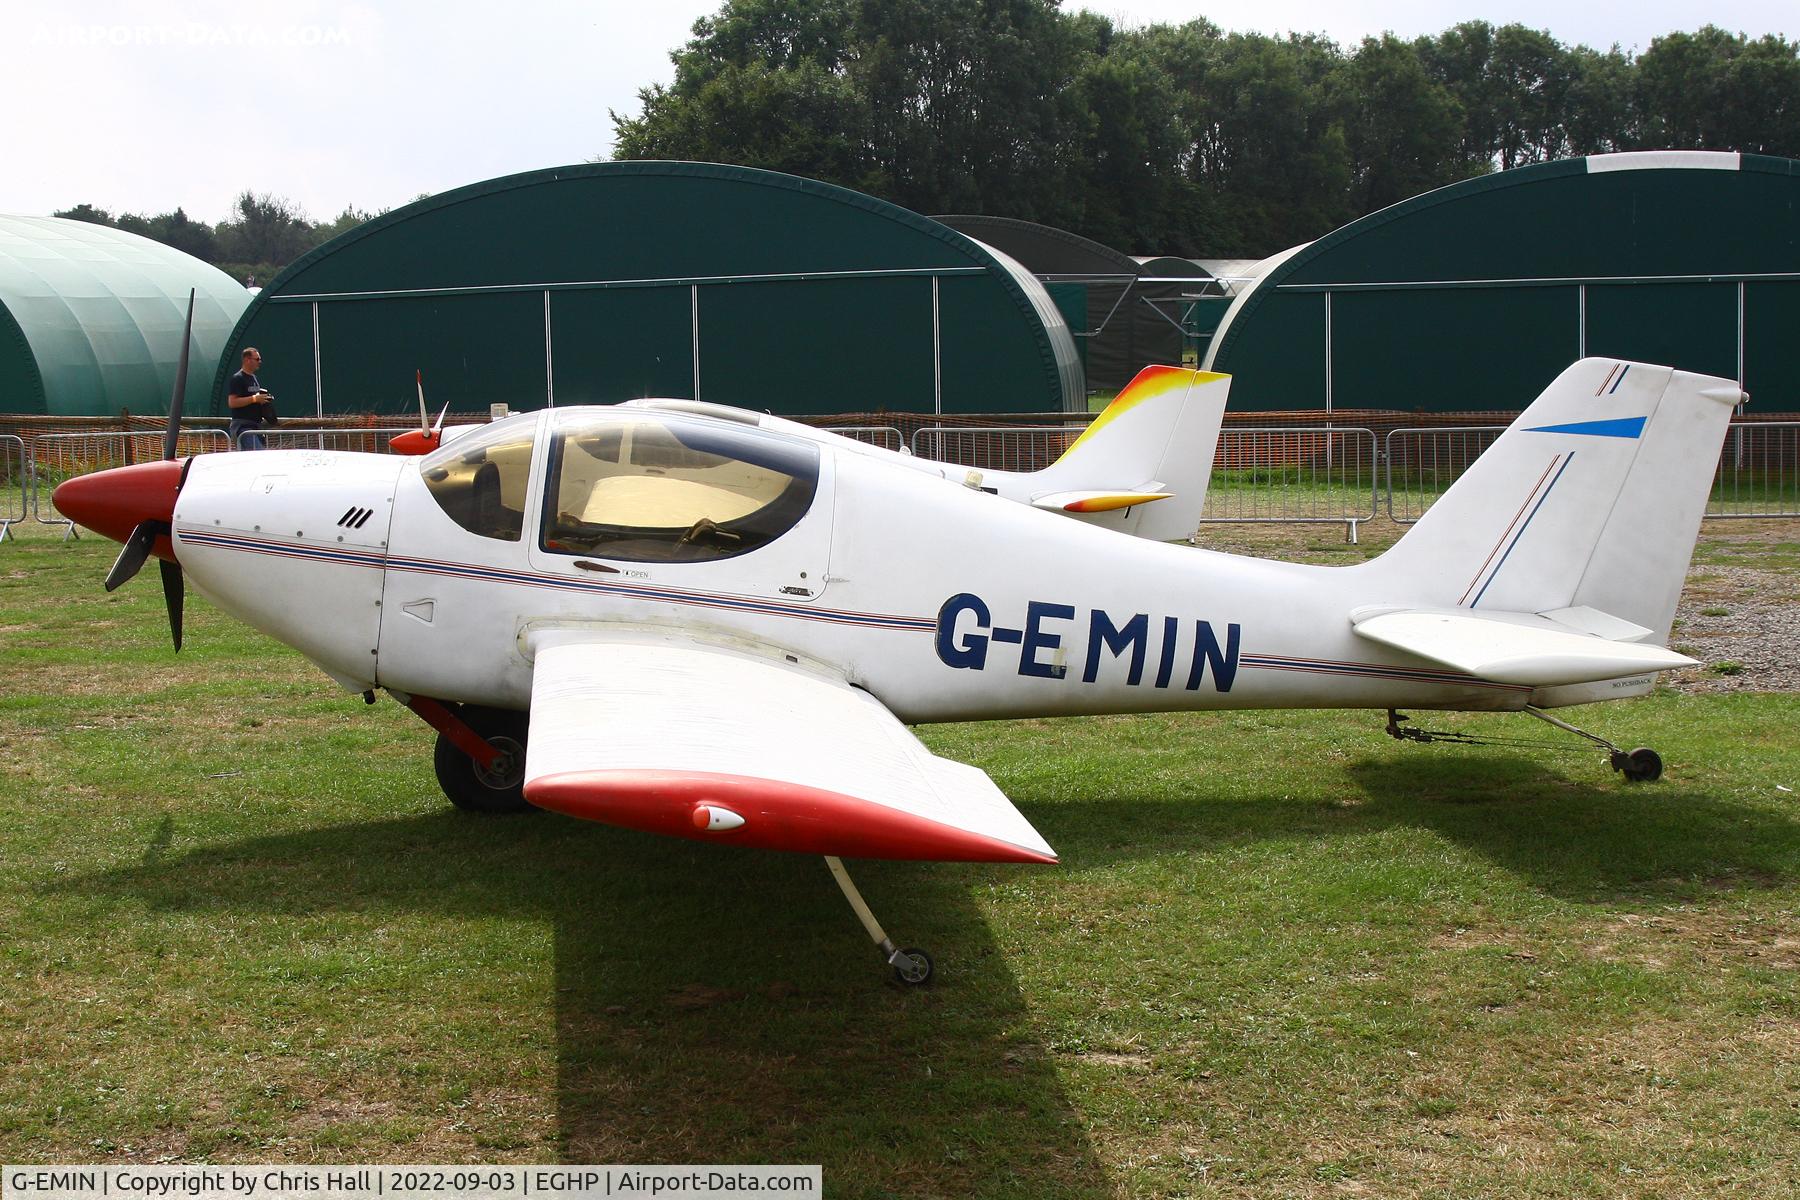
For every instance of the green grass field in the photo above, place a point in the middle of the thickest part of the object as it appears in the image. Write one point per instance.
(1283, 955)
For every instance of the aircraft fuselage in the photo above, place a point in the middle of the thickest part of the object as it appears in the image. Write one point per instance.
(944, 602)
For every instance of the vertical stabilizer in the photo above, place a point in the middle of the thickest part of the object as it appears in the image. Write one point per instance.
(1591, 498)
(1158, 435)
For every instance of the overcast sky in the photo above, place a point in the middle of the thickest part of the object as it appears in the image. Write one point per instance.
(147, 105)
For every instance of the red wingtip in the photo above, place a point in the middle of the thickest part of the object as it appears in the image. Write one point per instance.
(776, 815)
(115, 502)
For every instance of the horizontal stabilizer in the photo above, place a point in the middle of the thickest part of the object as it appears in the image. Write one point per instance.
(1523, 648)
(1096, 501)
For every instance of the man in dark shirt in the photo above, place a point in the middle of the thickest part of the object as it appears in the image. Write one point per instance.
(251, 405)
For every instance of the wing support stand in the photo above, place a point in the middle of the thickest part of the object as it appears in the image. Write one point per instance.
(1640, 765)
(910, 966)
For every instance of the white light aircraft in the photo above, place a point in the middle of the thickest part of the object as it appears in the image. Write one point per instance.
(700, 626)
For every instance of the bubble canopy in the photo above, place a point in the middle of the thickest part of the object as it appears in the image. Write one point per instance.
(632, 486)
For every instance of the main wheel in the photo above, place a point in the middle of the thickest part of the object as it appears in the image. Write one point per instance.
(474, 788)
(913, 967)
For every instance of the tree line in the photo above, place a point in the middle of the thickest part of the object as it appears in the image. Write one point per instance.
(263, 234)
(1167, 139)
(1180, 139)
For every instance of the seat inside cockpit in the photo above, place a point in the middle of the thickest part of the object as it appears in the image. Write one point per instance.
(480, 480)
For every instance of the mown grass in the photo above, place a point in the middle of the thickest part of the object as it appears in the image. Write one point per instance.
(1283, 955)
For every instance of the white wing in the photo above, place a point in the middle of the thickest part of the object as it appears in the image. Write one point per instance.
(659, 732)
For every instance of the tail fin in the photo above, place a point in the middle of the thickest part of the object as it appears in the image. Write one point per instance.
(1592, 498)
(1158, 435)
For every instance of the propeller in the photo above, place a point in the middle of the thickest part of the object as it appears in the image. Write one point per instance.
(174, 592)
(172, 434)
(134, 553)
(430, 431)
(427, 437)
(138, 546)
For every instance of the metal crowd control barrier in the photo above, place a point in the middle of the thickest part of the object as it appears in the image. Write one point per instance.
(358, 440)
(995, 447)
(61, 455)
(1758, 473)
(37, 504)
(15, 484)
(1294, 474)
(884, 436)
(1422, 463)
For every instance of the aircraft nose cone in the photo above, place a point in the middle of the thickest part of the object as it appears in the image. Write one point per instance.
(117, 501)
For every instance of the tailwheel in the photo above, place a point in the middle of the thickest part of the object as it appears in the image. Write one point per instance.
(1642, 765)
(498, 787)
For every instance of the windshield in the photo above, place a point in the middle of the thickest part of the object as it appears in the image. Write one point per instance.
(479, 480)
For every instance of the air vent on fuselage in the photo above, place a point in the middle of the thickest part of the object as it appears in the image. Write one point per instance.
(355, 517)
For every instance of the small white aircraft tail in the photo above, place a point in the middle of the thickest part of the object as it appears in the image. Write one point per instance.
(1155, 441)
(1584, 511)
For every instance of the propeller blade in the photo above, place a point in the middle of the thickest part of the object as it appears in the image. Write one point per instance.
(173, 432)
(174, 590)
(439, 427)
(133, 553)
(424, 419)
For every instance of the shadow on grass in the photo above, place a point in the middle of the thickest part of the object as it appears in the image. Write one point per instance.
(1586, 834)
(1577, 833)
(711, 1005)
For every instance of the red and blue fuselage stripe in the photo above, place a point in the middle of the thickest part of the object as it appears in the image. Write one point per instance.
(379, 560)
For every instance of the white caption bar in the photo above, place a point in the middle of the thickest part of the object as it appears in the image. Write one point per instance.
(405, 1182)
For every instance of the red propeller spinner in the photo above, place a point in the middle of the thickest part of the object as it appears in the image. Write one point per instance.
(116, 502)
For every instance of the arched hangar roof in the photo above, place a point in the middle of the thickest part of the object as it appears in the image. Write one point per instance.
(1044, 249)
(1474, 296)
(1167, 266)
(91, 318)
(603, 282)
(1128, 324)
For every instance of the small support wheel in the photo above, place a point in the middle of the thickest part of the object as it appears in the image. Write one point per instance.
(474, 788)
(912, 967)
(1642, 765)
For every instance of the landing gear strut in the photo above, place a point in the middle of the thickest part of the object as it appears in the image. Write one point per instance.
(911, 967)
(480, 753)
(1642, 765)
